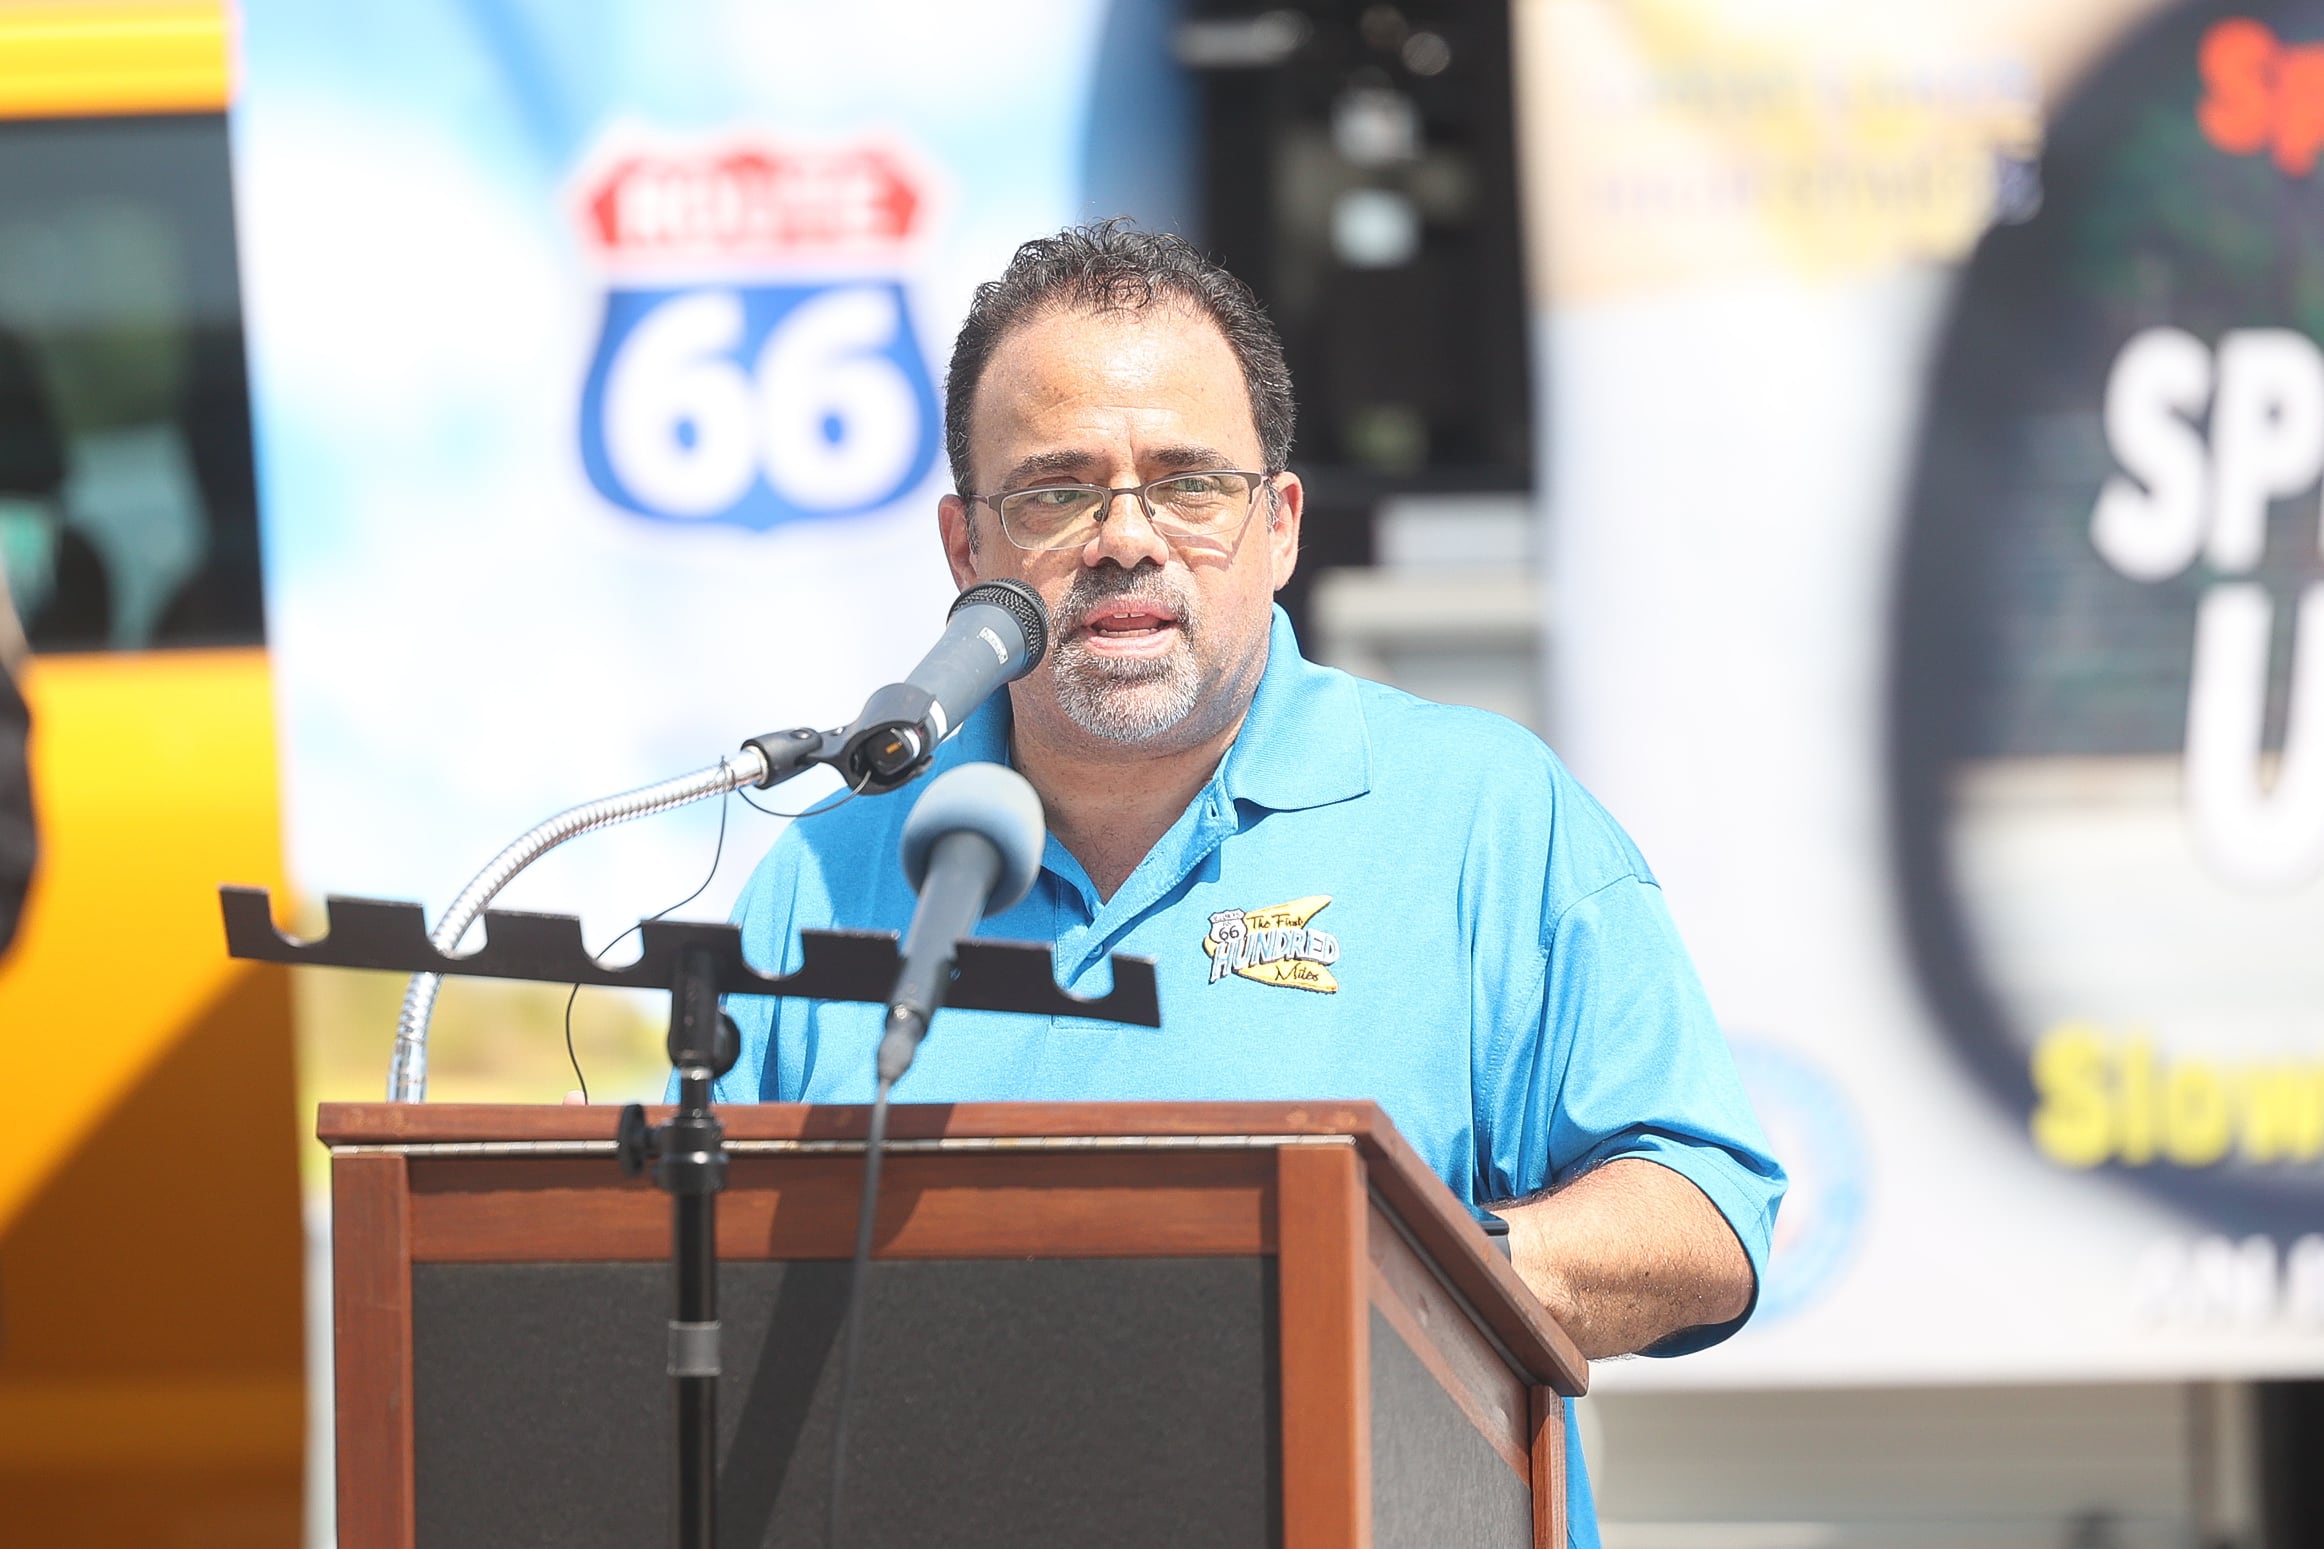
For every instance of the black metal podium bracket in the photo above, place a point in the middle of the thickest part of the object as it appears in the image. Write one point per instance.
(833, 965)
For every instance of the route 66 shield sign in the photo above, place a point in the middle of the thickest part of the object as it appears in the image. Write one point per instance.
(758, 361)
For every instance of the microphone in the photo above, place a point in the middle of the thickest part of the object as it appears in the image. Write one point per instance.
(997, 632)
(972, 847)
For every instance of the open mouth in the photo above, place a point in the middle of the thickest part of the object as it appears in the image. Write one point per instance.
(1128, 626)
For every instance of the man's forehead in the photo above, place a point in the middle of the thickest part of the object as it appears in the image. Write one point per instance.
(1075, 366)
(1157, 337)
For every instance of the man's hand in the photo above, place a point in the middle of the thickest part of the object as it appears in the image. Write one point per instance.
(1628, 1254)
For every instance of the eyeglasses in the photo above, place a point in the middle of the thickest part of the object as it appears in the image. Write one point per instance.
(1210, 505)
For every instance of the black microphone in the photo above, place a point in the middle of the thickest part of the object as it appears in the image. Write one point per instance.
(998, 632)
(972, 847)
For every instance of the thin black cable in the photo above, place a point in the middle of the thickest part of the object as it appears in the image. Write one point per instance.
(717, 853)
(874, 1140)
(812, 812)
(571, 1057)
(850, 794)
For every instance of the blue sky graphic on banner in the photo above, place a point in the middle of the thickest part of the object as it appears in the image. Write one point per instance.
(595, 350)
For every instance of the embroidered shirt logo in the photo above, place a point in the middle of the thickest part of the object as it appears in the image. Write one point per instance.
(1274, 945)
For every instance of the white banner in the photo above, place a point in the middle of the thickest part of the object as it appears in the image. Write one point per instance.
(1933, 436)
(596, 352)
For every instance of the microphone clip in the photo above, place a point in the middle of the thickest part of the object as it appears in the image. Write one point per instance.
(884, 750)
(787, 753)
(893, 740)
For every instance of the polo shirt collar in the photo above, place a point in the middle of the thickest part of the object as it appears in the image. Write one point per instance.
(1304, 742)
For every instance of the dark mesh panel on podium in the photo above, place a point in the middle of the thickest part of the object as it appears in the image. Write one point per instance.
(1435, 1481)
(1065, 1401)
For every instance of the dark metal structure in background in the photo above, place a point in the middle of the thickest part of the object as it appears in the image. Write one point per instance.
(1357, 166)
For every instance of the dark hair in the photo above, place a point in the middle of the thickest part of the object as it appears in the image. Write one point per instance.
(1109, 267)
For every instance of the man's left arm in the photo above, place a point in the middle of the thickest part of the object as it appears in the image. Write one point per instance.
(1627, 1255)
(1642, 1192)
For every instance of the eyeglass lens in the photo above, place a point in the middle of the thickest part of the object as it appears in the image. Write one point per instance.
(1193, 505)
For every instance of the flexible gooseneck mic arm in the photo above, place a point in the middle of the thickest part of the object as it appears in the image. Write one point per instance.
(407, 1071)
(996, 631)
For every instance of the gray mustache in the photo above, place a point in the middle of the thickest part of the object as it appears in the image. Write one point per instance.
(1111, 584)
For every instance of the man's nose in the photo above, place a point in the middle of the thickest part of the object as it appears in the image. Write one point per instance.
(1126, 535)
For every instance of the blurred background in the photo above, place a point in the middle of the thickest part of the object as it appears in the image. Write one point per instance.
(1878, 446)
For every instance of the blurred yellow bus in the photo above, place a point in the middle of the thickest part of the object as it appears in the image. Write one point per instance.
(151, 1330)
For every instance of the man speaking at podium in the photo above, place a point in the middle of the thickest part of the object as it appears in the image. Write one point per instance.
(1348, 892)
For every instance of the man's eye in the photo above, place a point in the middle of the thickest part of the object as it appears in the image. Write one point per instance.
(1054, 499)
(1191, 486)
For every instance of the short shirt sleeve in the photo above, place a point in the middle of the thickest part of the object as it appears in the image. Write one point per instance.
(1616, 1053)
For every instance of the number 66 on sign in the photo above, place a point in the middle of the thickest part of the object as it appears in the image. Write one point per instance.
(758, 404)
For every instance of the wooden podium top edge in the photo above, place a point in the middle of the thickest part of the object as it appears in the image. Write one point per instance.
(422, 1124)
(1437, 1222)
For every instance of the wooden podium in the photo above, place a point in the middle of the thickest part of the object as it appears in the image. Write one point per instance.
(1112, 1324)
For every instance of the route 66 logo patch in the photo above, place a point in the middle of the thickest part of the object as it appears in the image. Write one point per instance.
(1274, 945)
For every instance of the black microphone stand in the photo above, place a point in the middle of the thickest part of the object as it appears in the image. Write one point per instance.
(688, 1152)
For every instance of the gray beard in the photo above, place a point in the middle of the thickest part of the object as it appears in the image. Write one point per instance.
(1124, 701)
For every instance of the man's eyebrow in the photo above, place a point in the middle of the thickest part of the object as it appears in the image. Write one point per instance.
(1042, 465)
(1187, 457)
(1078, 465)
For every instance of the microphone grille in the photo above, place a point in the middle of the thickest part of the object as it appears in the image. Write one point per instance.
(1024, 607)
(988, 799)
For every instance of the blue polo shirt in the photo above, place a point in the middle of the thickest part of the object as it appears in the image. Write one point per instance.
(1374, 896)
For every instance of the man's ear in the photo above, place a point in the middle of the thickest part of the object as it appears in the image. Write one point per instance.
(954, 517)
(1290, 503)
